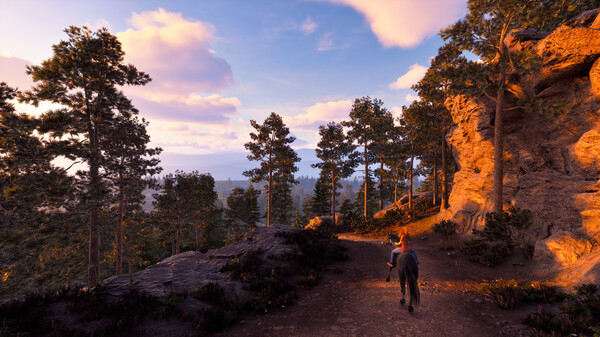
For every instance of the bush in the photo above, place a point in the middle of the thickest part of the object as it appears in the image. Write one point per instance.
(508, 227)
(511, 294)
(500, 236)
(446, 227)
(484, 253)
(580, 315)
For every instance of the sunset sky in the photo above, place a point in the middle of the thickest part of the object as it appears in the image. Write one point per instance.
(216, 65)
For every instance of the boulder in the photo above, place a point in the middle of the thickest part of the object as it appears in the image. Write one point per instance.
(318, 222)
(568, 51)
(523, 39)
(595, 79)
(188, 270)
(562, 247)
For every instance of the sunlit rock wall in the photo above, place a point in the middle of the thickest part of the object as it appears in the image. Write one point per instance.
(551, 153)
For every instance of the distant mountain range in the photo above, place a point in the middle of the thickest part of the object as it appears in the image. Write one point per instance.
(229, 165)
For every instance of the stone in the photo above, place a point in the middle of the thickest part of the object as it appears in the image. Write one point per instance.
(563, 247)
(318, 222)
(568, 51)
(188, 270)
(523, 39)
(595, 79)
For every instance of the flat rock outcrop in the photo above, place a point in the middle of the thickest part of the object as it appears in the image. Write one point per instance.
(189, 270)
(551, 153)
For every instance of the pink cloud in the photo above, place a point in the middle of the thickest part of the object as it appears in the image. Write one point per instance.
(414, 75)
(321, 113)
(175, 52)
(213, 109)
(406, 23)
(12, 71)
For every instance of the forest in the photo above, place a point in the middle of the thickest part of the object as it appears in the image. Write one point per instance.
(58, 228)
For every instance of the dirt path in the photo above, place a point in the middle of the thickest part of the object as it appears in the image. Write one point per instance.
(358, 302)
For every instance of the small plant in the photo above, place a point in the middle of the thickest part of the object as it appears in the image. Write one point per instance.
(484, 253)
(580, 315)
(511, 294)
(446, 227)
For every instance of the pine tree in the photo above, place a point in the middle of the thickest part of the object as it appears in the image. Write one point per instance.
(84, 75)
(368, 125)
(360, 199)
(271, 147)
(447, 75)
(319, 202)
(38, 244)
(128, 162)
(338, 159)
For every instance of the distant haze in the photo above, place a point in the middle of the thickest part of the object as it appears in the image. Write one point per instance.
(229, 165)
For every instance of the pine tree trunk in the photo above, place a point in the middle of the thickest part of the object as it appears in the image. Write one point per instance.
(94, 244)
(396, 186)
(366, 180)
(177, 242)
(269, 188)
(119, 257)
(435, 183)
(498, 149)
(444, 173)
(333, 197)
(381, 186)
(410, 179)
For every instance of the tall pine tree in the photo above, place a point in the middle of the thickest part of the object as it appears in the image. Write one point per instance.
(338, 159)
(270, 146)
(84, 75)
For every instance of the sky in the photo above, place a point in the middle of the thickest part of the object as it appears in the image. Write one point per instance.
(216, 65)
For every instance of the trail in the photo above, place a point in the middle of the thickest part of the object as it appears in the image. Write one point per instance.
(353, 298)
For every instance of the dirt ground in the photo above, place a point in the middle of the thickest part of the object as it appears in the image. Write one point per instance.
(353, 298)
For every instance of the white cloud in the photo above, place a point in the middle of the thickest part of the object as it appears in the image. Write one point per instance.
(413, 76)
(397, 112)
(175, 52)
(409, 98)
(319, 114)
(406, 23)
(308, 26)
(326, 42)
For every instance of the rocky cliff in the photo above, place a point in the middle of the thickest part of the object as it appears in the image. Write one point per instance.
(551, 147)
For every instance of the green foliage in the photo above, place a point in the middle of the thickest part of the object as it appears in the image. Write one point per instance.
(446, 227)
(85, 75)
(507, 227)
(338, 160)
(186, 211)
(370, 126)
(580, 315)
(484, 253)
(242, 207)
(501, 234)
(511, 294)
(270, 146)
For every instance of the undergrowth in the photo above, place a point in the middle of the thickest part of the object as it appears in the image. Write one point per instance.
(96, 313)
(502, 235)
(579, 315)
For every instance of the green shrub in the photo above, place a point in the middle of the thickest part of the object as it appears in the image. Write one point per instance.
(484, 253)
(580, 315)
(511, 294)
(446, 227)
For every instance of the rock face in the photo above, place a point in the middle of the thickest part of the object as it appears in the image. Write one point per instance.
(551, 153)
(188, 270)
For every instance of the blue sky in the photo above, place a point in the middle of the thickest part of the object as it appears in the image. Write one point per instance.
(218, 64)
